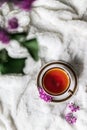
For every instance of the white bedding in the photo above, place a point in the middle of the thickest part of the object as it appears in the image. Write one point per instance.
(61, 29)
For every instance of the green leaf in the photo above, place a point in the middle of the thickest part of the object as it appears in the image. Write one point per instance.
(32, 47)
(19, 36)
(3, 56)
(10, 65)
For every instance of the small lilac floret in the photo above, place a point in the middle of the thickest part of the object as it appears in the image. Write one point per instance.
(44, 96)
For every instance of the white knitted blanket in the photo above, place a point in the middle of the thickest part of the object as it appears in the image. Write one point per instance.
(61, 29)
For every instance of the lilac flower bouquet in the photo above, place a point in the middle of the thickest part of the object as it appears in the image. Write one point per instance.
(9, 30)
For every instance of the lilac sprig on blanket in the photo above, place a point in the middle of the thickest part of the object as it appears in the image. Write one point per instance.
(44, 96)
(70, 118)
(73, 107)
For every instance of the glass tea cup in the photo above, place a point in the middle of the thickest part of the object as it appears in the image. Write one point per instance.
(58, 80)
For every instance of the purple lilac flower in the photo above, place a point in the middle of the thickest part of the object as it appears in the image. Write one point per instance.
(24, 4)
(73, 107)
(44, 96)
(4, 36)
(70, 118)
(13, 23)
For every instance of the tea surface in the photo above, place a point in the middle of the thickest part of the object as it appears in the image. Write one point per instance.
(56, 81)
